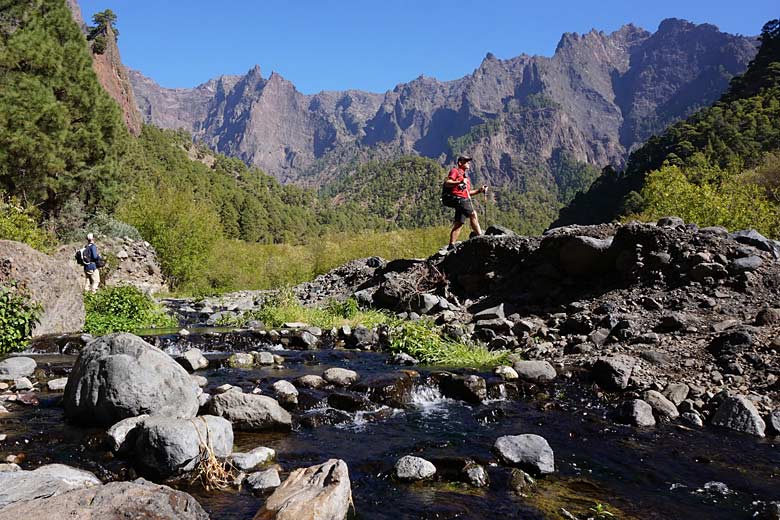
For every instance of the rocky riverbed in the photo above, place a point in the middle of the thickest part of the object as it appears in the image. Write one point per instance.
(643, 382)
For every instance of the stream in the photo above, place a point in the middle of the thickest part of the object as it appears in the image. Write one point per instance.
(665, 472)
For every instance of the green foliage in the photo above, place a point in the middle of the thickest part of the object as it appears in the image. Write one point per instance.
(19, 223)
(123, 309)
(18, 316)
(421, 339)
(59, 131)
(182, 229)
(600, 511)
(459, 145)
(571, 175)
(722, 200)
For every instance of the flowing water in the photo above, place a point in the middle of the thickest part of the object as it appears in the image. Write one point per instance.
(660, 473)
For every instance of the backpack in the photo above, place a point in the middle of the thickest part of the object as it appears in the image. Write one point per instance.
(83, 256)
(448, 199)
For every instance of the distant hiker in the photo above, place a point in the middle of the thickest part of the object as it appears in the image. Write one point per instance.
(92, 262)
(456, 193)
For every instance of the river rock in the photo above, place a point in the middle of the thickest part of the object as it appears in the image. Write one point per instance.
(199, 380)
(475, 474)
(506, 373)
(46, 481)
(362, 337)
(263, 480)
(120, 375)
(393, 389)
(263, 358)
(167, 447)
(311, 381)
(471, 388)
(249, 412)
(492, 313)
(613, 373)
(676, 392)
(739, 413)
(286, 393)
(662, 406)
(22, 384)
(535, 371)
(704, 270)
(402, 358)
(583, 256)
(528, 451)
(746, 264)
(774, 422)
(412, 468)
(121, 436)
(320, 492)
(252, 459)
(768, 316)
(340, 376)
(57, 385)
(692, 419)
(240, 360)
(636, 412)
(16, 367)
(55, 284)
(193, 359)
(138, 499)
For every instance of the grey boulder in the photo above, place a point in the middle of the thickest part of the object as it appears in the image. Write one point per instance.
(340, 376)
(44, 482)
(120, 375)
(739, 414)
(167, 447)
(613, 373)
(263, 480)
(121, 436)
(637, 413)
(662, 406)
(252, 459)
(250, 412)
(414, 468)
(16, 367)
(535, 371)
(193, 360)
(528, 451)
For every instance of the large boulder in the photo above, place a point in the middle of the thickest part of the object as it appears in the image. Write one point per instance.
(613, 373)
(585, 256)
(138, 499)
(739, 413)
(44, 482)
(250, 412)
(16, 367)
(166, 447)
(535, 371)
(411, 468)
(320, 492)
(120, 375)
(55, 284)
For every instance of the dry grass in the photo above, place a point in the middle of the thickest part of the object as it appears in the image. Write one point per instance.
(210, 471)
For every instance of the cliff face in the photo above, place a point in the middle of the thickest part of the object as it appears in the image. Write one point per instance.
(112, 74)
(596, 99)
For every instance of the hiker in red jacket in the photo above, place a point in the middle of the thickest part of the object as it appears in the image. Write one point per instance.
(458, 188)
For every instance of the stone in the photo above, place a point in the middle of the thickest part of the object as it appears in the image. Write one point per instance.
(753, 238)
(768, 316)
(193, 359)
(636, 412)
(16, 367)
(413, 468)
(324, 489)
(520, 481)
(249, 412)
(22, 384)
(263, 358)
(746, 264)
(528, 451)
(676, 392)
(492, 313)
(392, 389)
(263, 480)
(311, 381)
(9, 467)
(672, 322)
(613, 373)
(506, 373)
(730, 343)
(252, 459)
(57, 385)
(121, 436)
(535, 371)
(56, 284)
(44, 482)
(227, 387)
(240, 360)
(309, 341)
(738, 413)
(362, 337)
(348, 401)
(708, 270)
(137, 499)
(585, 256)
(773, 422)
(120, 375)
(402, 358)
(340, 376)
(662, 406)
(167, 447)
(424, 303)
(286, 393)
(471, 388)
(670, 222)
(497, 230)
(475, 474)
(692, 419)
(199, 380)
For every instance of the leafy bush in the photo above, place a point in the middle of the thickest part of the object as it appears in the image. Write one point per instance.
(21, 224)
(18, 316)
(123, 309)
(421, 339)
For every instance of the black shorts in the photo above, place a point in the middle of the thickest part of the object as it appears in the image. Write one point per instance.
(463, 210)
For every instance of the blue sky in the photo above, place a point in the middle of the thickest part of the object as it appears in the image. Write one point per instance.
(372, 45)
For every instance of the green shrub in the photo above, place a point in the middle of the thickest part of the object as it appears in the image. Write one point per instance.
(18, 316)
(123, 309)
(421, 339)
(21, 224)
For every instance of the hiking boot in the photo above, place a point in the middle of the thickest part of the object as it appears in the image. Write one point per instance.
(450, 247)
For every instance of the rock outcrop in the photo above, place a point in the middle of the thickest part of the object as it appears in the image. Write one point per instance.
(56, 285)
(44, 482)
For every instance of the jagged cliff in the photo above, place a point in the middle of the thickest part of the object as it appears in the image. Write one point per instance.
(112, 74)
(597, 98)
